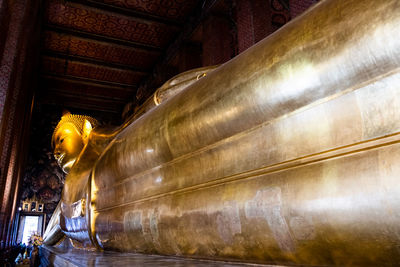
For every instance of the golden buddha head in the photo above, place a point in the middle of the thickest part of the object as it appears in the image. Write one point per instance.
(69, 138)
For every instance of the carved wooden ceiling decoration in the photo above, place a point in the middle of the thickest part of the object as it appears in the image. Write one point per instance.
(96, 53)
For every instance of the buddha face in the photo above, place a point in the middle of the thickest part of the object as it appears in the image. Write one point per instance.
(68, 144)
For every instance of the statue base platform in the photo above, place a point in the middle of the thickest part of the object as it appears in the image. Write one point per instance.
(59, 256)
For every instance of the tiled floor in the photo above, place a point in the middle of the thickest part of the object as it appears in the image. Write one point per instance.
(74, 257)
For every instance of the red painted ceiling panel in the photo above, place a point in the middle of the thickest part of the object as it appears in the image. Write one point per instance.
(173, 9)
(80, 102)
(85, 70)
(77, 46)
(84, 89)
(100, 22)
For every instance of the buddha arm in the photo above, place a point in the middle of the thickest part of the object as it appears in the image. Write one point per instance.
(72, 208)
(53, 233)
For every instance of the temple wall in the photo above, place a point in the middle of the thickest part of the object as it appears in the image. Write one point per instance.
(19, 45)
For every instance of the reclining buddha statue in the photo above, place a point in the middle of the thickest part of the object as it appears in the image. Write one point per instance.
(287, 154)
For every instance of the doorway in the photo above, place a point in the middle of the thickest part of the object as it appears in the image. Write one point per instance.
(29, 224)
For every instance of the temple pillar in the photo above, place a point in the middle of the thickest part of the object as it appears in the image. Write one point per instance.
(4, 20)
(299, 6)
(217, 40)
(190, 57)
(253, 20)
(19, 46)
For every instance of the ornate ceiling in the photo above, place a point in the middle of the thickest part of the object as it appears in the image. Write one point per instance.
(96, 53)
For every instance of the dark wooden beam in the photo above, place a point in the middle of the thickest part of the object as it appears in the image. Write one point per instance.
(101, 38)
(63, 85)
(91, 82)
(74, 105)
(82, 98)
(126, 12)
(77, 101)
(81, 59)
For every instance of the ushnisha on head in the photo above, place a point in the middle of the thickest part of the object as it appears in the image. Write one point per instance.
(69, 138)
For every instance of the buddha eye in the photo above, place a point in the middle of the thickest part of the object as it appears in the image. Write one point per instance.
(62, 140)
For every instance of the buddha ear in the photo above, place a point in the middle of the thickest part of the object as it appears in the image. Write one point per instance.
(87, 128)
